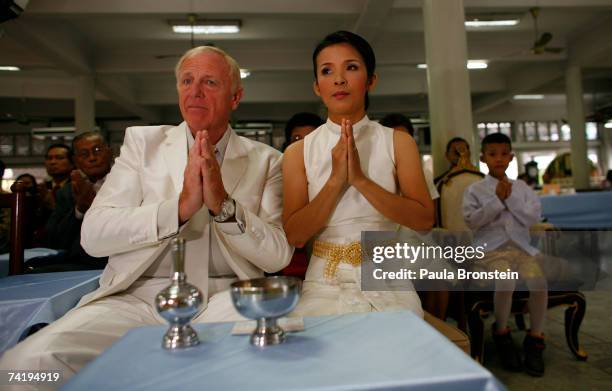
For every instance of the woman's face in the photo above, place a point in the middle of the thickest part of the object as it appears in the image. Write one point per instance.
(342, 82)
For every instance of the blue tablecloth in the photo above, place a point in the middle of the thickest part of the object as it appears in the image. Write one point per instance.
(372, 351)
(30, 299)
(28, 254)
(579, 211)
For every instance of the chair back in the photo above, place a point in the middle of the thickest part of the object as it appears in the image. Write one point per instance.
(450, 203)
(16, 202)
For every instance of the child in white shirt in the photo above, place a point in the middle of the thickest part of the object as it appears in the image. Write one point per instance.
(500, 212)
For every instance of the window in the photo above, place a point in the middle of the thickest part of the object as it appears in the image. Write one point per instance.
(530, 131)
(543, 131)
(565, 132)
(591, 131)
(554, 131)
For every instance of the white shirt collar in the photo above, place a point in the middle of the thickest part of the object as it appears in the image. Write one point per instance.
(220, 147)
(335, 128)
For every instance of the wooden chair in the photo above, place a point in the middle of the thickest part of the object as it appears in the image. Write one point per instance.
(16, 201)
(479, 305)
(470, 308)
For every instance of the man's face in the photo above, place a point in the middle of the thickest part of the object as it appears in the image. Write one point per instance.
(497, 157)
(456, 149)
(93, 157)
(205, 93)
(57, 162)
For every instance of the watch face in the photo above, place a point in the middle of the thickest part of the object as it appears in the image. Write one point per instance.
(228, 209)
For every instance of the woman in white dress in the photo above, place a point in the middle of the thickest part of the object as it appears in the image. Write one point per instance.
(350, 175)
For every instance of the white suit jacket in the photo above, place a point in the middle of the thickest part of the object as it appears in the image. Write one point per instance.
(147, 177)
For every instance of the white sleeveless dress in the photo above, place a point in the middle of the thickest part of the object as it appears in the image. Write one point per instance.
(353, 214)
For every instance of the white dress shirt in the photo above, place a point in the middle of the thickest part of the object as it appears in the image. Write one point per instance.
(220, 275)
(495, 222)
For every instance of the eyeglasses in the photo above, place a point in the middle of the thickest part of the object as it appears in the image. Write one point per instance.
(95, 151)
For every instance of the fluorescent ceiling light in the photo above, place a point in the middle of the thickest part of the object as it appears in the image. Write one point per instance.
(244, 73)
(185, 29)
(528, 97)
(9, 68)
(471, 64)
(608, 125)
(477, 64)
(491, 23)
(205, 26)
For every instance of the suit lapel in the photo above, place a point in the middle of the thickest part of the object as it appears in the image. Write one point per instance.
(235, 162)
(175, 154)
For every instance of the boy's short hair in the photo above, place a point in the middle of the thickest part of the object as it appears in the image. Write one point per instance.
(495, 138)
(454, 140)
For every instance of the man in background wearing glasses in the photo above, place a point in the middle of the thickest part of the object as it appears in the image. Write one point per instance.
(93, 158)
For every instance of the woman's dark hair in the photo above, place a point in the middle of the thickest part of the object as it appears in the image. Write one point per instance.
(34, 188)
(358, 43)
(300, 119)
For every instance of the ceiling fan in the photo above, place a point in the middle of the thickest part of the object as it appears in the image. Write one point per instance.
(540, 42)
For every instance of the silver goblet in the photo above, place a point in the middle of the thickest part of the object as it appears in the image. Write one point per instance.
(179, 303)
(266, 300)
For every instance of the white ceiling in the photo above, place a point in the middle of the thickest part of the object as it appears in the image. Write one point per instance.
(119, 42)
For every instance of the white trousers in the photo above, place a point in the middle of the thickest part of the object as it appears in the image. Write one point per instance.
(78, 337)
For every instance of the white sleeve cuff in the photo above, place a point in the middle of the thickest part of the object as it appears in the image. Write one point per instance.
(167, 218)
(237, 227)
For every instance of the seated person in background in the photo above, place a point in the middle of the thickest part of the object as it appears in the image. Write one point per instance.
(5, 219)
(500, 211)
(300, 125)
(59, 164)
(199, 181)
(400, 122)
(434, 301)
(458, 155)
(93, 158)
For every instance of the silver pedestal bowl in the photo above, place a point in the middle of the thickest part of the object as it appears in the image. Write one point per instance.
(266, 300)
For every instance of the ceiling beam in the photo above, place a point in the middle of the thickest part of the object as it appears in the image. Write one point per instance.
(583, 49)
(61, 46)
(371, 17)
(591, 45)
(524, 4)
(522, 81)
(120, 91)
(184, 7)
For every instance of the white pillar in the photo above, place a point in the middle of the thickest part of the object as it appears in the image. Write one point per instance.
(576, 118)
(85, 104)
(450, 106)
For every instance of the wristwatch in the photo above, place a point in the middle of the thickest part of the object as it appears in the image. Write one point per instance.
(228, 210)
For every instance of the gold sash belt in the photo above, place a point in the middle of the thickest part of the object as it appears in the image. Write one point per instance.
(336, 254)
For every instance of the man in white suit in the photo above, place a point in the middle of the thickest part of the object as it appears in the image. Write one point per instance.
(198, 180)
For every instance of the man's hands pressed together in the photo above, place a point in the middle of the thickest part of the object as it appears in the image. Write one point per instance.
(202, 182)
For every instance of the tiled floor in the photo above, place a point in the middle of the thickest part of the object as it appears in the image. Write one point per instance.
(563, 371)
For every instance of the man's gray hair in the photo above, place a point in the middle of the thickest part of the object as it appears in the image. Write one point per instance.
(85, 135)
(233, 65)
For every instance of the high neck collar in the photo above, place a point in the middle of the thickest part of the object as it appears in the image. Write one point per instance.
(335, 128)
